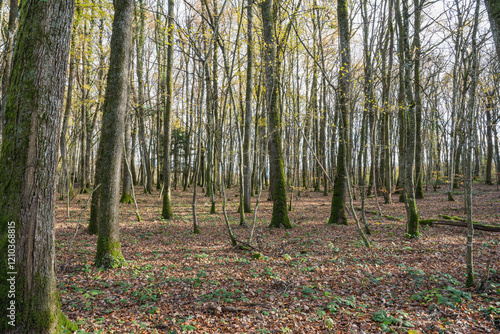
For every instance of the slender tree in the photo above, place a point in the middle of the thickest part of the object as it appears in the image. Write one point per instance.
(167, 130)
(471, 105)
(247, 171)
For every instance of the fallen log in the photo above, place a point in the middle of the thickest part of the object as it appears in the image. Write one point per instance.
(460, 223)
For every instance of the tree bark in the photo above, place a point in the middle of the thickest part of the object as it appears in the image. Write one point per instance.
(140, 14)
(28, 167)
(471, 104)
(337, 215)
(278, 185)
(109, 253)
(167, 121)
(247, 171)
(490, 105)
(7, 61)
(493, 8)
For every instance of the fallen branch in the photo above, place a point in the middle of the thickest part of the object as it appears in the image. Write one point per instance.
(460, 223)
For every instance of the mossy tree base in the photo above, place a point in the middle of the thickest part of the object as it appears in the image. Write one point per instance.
(109, 254)
(337, 214)
(469, 281)
(280, 210)
(126, 199)
(65, 326)
(450, 197)
(413, 225)
(166, 212)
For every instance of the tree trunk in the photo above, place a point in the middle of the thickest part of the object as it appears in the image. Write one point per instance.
(337, 215)
(490, 105)
(127, 178)
(140, 14)
(109, 253)
(247, 171)
(278, 186)
(410, 122)
(28, 169)
(419, 192)
(469, 262)
(167, 121)
(7, 61)
(493, 8)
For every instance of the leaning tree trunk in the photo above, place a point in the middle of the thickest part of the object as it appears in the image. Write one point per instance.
(109, 254)
(337, 214)
(278, 187)
(28, 169)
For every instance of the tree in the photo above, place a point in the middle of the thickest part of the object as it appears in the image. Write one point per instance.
(419, 191)
(493, 8)
(140, 40)
(167, 210)
(471, 104)
(109, 253)
(7, 61)
(248, 110)
(337, 214)
(28, 165)
(409, 123)
(278, 184)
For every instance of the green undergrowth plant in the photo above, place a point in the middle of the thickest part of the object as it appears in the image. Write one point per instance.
(449, 296)
(386, 320)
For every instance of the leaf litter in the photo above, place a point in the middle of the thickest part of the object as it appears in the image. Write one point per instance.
(315, 278)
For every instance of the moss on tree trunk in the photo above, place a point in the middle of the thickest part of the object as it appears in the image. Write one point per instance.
(108, 253)
(278, 186)
(28, 166)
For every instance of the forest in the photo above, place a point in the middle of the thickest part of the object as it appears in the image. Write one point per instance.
(249, 166)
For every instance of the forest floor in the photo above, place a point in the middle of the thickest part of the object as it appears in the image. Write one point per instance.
(306, 280)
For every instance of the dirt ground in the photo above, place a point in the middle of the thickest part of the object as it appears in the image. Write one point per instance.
(315, 278)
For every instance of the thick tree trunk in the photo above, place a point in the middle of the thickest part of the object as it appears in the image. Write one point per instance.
(109, 253)
(28, 168)
(278, 185)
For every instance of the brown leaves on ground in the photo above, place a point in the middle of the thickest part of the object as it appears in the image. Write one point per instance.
(315, 278)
